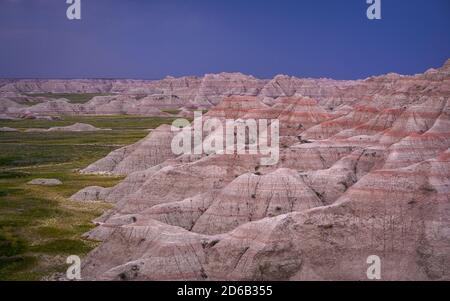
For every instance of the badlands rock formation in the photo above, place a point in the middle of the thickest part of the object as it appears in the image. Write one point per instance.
(45, 182)
(140, 97)
(364, 169)
(7, 129)
(77, 127)
(150, 151)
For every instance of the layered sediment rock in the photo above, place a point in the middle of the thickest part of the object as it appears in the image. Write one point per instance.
(76, 127)
(152, 150)
(45, 182)
(364, 169)
(148, 97)
(251, 197)
(8, 129)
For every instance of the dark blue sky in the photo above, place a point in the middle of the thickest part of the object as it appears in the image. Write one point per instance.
(154, 38)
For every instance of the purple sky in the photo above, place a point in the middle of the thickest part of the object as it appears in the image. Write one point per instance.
(153, 38)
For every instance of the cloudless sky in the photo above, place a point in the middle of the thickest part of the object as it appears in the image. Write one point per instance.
(151, 39)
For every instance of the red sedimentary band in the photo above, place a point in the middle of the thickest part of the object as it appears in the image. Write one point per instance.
(407, 148)
(368, 109)
(405, 173)
(415, 134)
(445, 157)
(308, 114)
(382, 191)
(392, 111)
(428, 135)
(366, 127)
(299, 101)
(421, 114)
(343, 123)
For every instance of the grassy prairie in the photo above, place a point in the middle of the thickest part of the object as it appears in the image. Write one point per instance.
(39, 226)
(115, 122)
(72, 97)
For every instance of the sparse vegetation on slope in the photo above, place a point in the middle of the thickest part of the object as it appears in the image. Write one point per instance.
(39, 226)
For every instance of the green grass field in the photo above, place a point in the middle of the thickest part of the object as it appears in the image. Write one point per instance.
(39, 226)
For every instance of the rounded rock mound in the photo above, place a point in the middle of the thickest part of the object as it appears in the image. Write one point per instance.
(45, 182)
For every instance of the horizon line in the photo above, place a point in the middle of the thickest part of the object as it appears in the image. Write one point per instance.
(205, 74)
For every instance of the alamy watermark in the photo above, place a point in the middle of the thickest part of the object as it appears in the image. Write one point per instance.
(214, 136)
(74, 270)
(73, 12)
(374, 270)
(374, 10)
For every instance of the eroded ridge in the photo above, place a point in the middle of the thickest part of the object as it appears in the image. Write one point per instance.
(364, 169)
